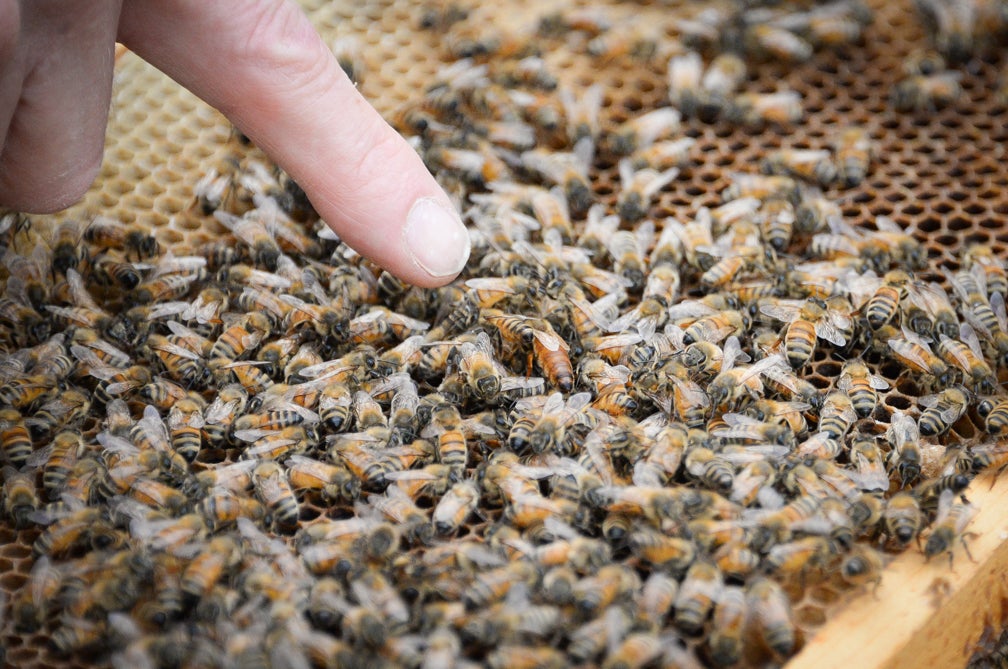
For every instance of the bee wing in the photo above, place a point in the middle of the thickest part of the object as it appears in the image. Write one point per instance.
(165, 309)
(762, 366)
(495, 284)
(79, 293)
(42, 573)
(739, 455)
(554, 403)
(175, 349)
(952, 413)
(997, 304)
(550, 340)
(98, 367)
(738, 419)
(929, 400)
(325, 370)
(255, 434)
(829, 332)
(121, 387)
(270, 486)
(690, 309)
(969, 337)
(906, 350)
(961, 358)
(871, 474)
(483, 343)
(39, 457)
(117, 445)
(522, 383)
(578, 401)
(218, 410)
(781, 310)
(877, 382)
(731, 353)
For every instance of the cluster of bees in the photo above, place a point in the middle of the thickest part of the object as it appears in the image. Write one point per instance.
(619, 439)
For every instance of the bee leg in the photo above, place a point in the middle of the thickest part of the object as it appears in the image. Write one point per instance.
(966, 546)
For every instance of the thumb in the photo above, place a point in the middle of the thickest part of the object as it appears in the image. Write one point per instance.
(262, 64)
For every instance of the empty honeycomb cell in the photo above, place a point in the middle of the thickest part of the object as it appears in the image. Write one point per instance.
(11, 581)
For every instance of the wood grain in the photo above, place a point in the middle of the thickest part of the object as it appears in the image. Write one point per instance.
(923, 613)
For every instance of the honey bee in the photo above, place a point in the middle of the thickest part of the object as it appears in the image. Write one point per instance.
(923, 92)
(996, 276)
(706, 466)
(942, 410)
(20, 500)
(333, 481)
(771, 612)
(928, 493)
(78, 635)
(15, 439)
(551, 354)
(567, 170)
(273, 490)
(514, 655)
(699, 589)
(685, 80)
(477, 363)
(949, 524)
(455, 506)
(220, 414)
(902, 517)
(837, 414)
(715, 326)
(871, 471)
(726, 638)
(596, 592)
(915, 353)
(643, 130)
(547, 433)
(451, 446)
(65, 533)
(995, 414)
(639, 188)
(866, 513)
(650, 545)
(854, 153)
(185, 423)
(209, 566)
(636, 649)
(663, 155)
(254, 234)
(861, 566)
(807, 321)
(814, 165)
(904, 437)
(773, 42)
(861, 386)
(966, 354)
(757, 109)
(106, 234)
(222, 507)
(735, 385)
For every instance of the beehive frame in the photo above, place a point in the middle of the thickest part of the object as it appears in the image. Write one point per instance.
(939, 175)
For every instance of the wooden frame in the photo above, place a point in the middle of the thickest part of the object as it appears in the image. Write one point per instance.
(923, 613)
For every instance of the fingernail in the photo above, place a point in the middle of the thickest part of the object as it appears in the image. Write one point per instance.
(436, 238)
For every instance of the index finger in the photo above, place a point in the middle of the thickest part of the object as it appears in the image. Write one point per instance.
(263, 65)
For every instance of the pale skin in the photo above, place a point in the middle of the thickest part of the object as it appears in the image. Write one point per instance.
(262, 64)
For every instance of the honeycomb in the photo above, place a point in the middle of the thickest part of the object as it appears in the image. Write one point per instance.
(938, 174)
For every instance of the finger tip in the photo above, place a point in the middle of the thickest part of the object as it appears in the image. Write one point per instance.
(436, 242)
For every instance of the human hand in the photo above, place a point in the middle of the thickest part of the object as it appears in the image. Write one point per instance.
(263, 65)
